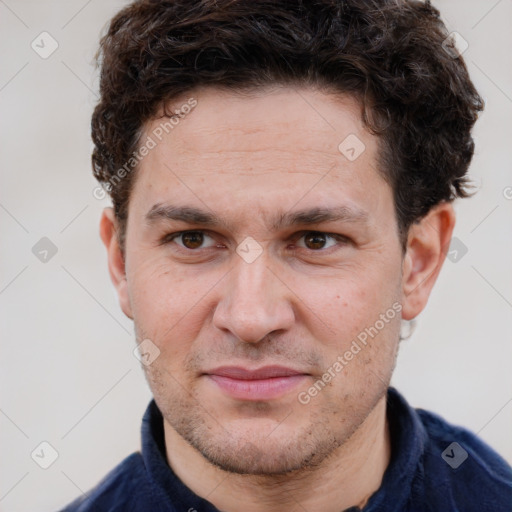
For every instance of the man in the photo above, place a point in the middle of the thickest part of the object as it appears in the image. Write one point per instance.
(282, 177)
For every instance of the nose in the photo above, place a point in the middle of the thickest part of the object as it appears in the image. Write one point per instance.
(254, 303)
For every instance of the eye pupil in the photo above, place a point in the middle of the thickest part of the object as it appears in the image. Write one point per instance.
(192, 239)
(316, 240)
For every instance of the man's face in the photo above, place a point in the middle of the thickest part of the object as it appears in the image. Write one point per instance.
(216, 314)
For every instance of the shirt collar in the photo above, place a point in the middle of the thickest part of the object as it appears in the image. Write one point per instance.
(168, 492)
(408, 440)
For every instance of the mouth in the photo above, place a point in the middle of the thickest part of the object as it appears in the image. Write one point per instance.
(266, 383)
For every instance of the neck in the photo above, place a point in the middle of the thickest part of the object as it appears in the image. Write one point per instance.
(347, 478)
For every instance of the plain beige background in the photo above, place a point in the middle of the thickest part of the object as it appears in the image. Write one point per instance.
(68, 373)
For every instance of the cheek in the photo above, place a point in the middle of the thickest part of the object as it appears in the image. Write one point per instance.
(345, 306)
(168, 305)
(171, 304)
(363, 315)
(158, 296)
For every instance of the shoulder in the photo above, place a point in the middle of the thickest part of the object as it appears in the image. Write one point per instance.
(461, 469)
(120, 490)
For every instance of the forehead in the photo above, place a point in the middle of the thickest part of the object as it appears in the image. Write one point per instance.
(303, 119)
(263, 151)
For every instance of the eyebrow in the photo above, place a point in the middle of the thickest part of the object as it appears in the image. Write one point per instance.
(315, 215)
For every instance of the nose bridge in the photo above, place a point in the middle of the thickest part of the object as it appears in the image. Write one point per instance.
(254, 303)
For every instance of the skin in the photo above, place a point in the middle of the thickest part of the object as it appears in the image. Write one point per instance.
(249, 158)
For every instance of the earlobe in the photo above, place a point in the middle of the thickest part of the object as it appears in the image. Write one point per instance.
(116, 262)
(426, 249)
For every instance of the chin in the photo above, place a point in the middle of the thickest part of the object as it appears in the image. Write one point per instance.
(251, 459)
(260, 450)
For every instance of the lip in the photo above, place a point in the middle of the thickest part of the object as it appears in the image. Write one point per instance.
(265, 383)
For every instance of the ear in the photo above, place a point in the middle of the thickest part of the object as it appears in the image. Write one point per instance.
(116, 264)
(427, 243)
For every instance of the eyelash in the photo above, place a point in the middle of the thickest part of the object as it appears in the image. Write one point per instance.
(167, 239)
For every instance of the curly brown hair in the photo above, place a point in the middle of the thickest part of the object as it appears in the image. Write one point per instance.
(393, 55)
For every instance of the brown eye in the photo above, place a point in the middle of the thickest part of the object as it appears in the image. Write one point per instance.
(192, 239)
(314, 240)
(319, 241)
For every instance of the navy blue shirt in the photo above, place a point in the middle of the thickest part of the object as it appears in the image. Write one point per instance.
(434, 467)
